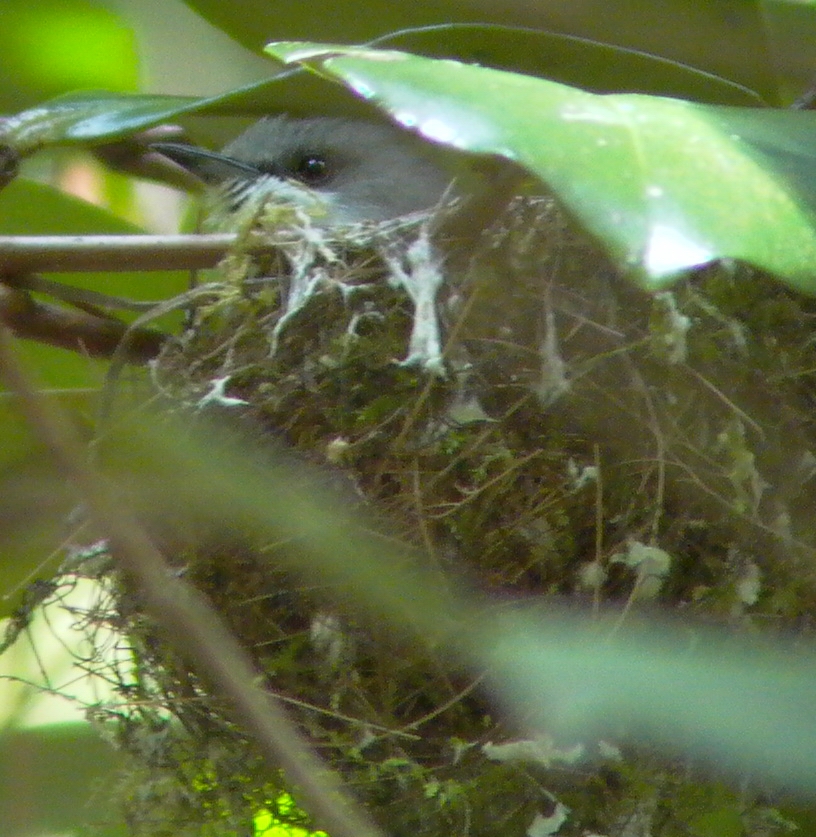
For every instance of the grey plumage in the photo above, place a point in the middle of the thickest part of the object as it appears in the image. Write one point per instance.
(373, 171)
(363, 171)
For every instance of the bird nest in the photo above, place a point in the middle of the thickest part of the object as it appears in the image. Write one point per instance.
(533, 425)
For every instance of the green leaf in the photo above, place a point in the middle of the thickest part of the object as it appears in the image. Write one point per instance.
(665, 185)
(678, 686)
(581, 62)
(95, 116)
(88, 117)
(723, 37)
(791, 27)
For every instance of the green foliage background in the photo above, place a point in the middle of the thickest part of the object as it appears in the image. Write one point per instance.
(757, 51)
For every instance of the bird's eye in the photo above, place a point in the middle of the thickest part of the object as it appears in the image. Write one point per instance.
(311, 169)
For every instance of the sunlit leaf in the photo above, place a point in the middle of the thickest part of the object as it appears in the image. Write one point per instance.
(86, 117)
(665, 185)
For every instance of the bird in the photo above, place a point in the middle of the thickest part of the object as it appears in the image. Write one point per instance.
(346, 171)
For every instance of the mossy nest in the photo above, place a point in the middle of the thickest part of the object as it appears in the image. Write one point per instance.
(535, 425)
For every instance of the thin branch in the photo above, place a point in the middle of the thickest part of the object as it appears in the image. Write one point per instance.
(83, 298)
(55, 253)
(9, 164)
(188, 619)
(75, 330)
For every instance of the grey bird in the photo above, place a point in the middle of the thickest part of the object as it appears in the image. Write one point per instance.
(360, 170)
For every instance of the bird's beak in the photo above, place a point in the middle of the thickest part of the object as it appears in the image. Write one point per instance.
(208, 166)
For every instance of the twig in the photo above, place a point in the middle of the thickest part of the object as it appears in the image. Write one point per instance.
(75, 330)
(83, 298)
(21, 253)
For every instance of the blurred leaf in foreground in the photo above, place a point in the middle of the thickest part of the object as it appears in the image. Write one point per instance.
(676, 684)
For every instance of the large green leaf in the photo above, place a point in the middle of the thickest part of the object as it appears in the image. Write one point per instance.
(725, 37)
(87, 117)
(90, 116)
(665, 185)
(581, 62)
(681, 687)
(791, 26)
